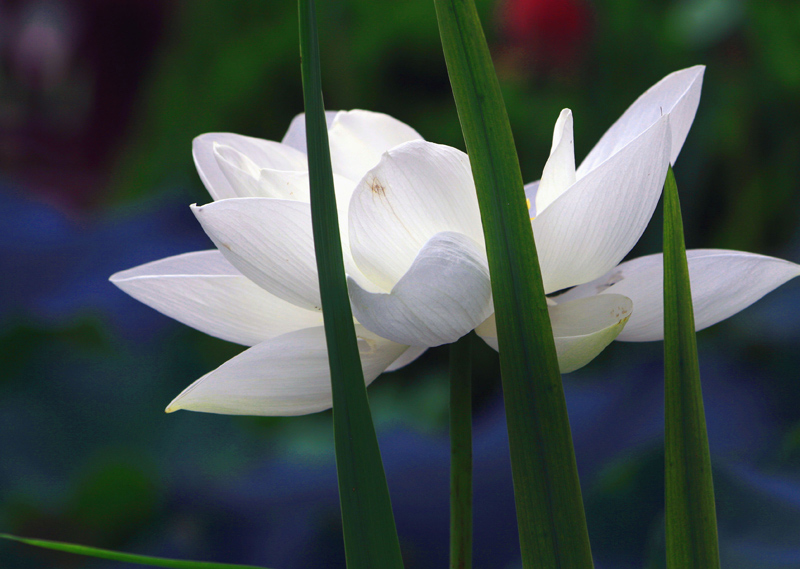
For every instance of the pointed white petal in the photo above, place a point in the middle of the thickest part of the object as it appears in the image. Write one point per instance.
(444, 295)
(723, 283)
(410, 355)
(296, 135)
(248, 180)
(358, 138)
(269, 241)
(593, 225)
(260, 153)
(676, 95)
(204, 291)
(559, 171)
(582, 328)
(287, 375)
(419, 189)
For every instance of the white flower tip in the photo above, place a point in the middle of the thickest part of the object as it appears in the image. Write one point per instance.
(699, 69)
(563, 128)
(200, 141)
(686, 77)
(205, 142)
(174, 405)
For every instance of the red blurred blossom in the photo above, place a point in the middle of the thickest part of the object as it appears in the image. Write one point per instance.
(549, 36)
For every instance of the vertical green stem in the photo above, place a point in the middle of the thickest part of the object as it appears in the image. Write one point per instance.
(370, 536)
(691, 519)
(461, 454)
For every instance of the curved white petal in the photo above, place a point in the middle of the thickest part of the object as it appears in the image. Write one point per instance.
(417, 190)
(559, 171)
(410, 355)
(259, 153)
(269, 241)
(582, 328)
(204, 291)
(676, 95)
(593, 225)
(296, 135)
(359, 138)
(723, 283)
(445, 294)
(585, 327)
(287, 375)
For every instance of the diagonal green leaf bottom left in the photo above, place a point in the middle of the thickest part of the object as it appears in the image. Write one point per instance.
(124, 557)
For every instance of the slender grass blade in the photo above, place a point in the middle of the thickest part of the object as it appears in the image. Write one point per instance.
(124, 557)
(691, 519)
(370, 536)
(550, 515)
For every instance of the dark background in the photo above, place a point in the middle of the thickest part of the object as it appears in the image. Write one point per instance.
(99, 102)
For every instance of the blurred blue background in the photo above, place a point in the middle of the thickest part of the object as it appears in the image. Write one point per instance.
(99, 102)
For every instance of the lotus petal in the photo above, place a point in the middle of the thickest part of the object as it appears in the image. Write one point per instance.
(445, 294)
(287, 375)
(417, 190)
(676, 95)
(270, 242)
(259, 154)
(559, 171)
(581, 328)
(723, 283)
(204, 291)
(410, 355)
(359, 138)
(589, 228)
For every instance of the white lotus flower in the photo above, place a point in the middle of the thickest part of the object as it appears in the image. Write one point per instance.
(414, 252)
(584, 221)
(259, 288)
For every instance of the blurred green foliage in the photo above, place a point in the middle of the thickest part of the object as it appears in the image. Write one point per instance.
(233, 65)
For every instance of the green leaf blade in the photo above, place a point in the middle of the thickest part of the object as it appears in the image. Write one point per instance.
(691, 520)
(370, 535)
(124, 557)
(550, 513)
